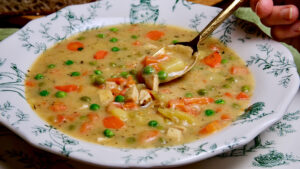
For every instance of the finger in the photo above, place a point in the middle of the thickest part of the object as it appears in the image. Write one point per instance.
(282, 32)
(282, 15)
(263, 8)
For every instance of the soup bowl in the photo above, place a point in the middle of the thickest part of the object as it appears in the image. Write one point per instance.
(270, 62)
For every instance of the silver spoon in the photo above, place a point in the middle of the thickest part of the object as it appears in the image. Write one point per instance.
(193, 44)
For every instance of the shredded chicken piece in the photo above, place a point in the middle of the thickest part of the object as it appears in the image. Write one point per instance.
(145, 97)
(174, 133)
(132, 94)
(152, 82)
(105, 96)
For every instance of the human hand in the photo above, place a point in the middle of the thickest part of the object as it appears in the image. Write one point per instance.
(283, 19)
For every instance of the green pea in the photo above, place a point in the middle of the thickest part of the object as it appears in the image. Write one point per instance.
(148, 70)
(39, 77)
(153, 123)
(69, 62)
(174, 41)
(100, 35)
(51, 66)
(114, 29)
(81, 38)
(131, 140)
(120, 98)
(115, 49)
(44, 93)
(94, 107)
(113, 40)
(124, 74)
(93, 63)
(60, 94)
(133, 72)
(85, 99)
(226, 86)
(224, 61)
(245, 88)
(231, 79)
(113, 64)
(236, 106)
(220, 101)
(108, 133)
(209, 112)
(75, 74)
(188, 95)
(98, 72)
(162, 75)
(134, 36)
(202, 92)
(99, 80)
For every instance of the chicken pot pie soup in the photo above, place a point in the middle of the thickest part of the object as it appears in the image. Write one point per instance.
(102, 86)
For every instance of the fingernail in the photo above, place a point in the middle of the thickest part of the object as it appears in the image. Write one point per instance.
(257, 5)
(287, 13)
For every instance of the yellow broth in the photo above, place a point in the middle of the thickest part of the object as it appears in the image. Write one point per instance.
(81, 87)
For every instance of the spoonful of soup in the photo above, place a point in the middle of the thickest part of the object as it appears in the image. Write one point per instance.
(174, 61)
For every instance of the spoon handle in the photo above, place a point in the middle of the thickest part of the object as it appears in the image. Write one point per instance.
(219, 19)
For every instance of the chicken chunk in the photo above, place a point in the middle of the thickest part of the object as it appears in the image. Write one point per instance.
(111, 85)
(132, 94)
(174, 133)
(152, 82)
(105, 96)
(145, 97)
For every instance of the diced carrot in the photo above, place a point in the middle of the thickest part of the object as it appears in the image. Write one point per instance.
(60, 119)
(115, 91)
(136, 43)
(239, 70)
(176, 103)
(218, 110)
(67, 88)
(118, 80)
(58, 107)
(198, 100)
(85, 127)
(213, 59)
(122, 92)
(117, 104)
(100, 54)
(74, 46)
(148, 136)
(29, 84)
(225, 117)
(93, 117)
(102, 86)
(242, 96)
(165, 91)
(85, 73)
(72, 117)
(211, 127)
(130, 81)
(112, 122)
(154, 60)
(228, 94)
(155, 35)
(130, 105)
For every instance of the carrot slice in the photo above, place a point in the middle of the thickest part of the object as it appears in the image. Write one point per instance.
(58, 107)
(85, 127)
(112, 122)
(228, 94)
(225, 117)
(198, 100)
(75, 46)
(213, 60)
(148, 136)
(60, 119)
(67, 88)
(136, 43)
(118, 80)
(130, 105)
(93, 117)
(29, 84)
(239, 70)
(100, 54)
(211, 127)
(155, 35)
(242, 96)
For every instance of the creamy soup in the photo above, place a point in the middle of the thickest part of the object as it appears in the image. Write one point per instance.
(91, 86)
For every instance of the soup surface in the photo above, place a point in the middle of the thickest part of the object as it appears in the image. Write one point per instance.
(91, 86)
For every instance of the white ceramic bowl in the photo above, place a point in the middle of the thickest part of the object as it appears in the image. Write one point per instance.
(271, 63)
